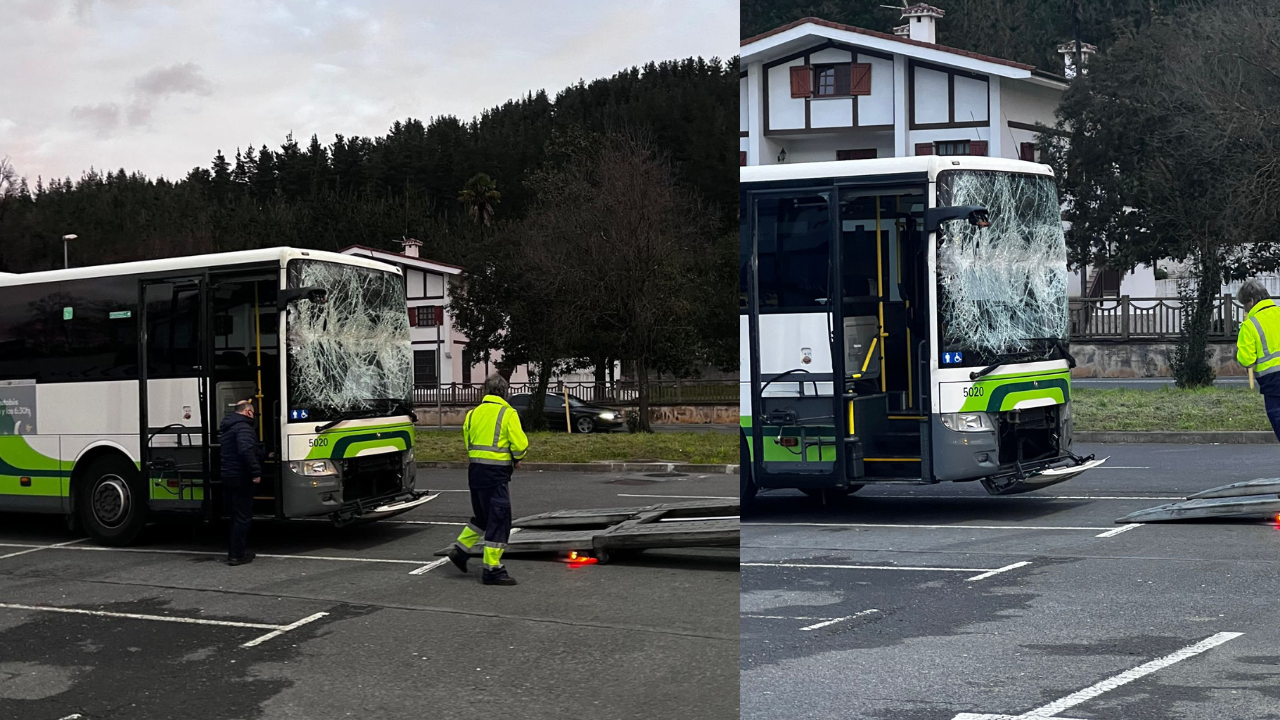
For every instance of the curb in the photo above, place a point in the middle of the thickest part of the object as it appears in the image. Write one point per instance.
(605, 466)
(1204, 437)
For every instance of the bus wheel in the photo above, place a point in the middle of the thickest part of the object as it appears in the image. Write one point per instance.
(111, 501)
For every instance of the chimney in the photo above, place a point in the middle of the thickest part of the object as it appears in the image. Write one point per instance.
(411, 247)
(922, 21)
(1068, 52)
(902, 31)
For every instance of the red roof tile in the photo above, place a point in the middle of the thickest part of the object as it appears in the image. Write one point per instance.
(885, 36)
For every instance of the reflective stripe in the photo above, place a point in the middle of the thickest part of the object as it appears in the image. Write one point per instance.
(490, 448)
(497, 427)
(1267, 358)
(492, 557)
(498, 545)
(487, 461)
(1268, 371)
(1262, 337)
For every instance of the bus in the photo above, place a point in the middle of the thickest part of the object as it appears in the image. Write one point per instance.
(114, 379)
(903, 320)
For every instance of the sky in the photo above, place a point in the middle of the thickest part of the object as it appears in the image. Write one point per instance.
(158, 86)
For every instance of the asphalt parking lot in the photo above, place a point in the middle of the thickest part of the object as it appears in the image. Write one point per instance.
(940, 602)
(364, 622)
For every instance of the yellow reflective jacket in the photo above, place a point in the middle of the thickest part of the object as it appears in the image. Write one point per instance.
(1258, 345)
(493, 433)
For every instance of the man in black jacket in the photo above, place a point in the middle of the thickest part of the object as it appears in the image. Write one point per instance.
(241, 472)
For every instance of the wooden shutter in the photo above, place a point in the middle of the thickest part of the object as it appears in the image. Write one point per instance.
(742, 158)
(1027, 151)
(801, 81)
(978, 147)
(413, 317)
(924, 148)
(860, 79)
(439, 318)
(861, 154)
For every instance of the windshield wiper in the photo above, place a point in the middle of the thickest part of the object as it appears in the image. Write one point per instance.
(345, 416)
(1002, 359)
(399, 404)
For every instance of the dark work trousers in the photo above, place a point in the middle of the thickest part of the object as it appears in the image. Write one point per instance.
(491, 511)
(238, 496)
(1273, 412)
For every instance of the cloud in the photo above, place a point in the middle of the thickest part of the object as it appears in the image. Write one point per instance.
(102, 118)
(179, 78)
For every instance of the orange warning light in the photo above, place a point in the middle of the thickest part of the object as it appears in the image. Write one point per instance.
(577, 559)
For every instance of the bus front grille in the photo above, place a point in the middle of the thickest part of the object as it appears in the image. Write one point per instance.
(372, 476)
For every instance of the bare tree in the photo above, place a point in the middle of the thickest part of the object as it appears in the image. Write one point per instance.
(8, 178)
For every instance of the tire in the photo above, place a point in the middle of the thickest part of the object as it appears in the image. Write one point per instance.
(747, 497)
(584, 425)
(111, 501)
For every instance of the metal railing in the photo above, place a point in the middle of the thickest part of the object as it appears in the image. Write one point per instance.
(1126, 318)
(625, 393)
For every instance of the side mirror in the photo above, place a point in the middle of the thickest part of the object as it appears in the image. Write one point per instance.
(315, 294)
(975, 214)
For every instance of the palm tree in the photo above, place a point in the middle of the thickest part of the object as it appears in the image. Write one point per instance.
(480, 195)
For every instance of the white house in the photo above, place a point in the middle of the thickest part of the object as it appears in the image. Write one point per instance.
(815, 90)
(439, 353)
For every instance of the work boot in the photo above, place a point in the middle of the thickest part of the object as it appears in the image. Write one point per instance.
(499, 578)
(458, 558)
(248, 558)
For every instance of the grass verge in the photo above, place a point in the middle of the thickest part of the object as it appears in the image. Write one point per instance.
(1170, 409)
(682, 447)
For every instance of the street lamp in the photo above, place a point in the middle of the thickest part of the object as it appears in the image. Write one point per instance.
(65, 238)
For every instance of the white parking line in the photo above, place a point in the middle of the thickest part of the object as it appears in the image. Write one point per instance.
(1026, 497)
(838, 620)
(276, 630)
(1052, 709)
(284, 629)
(1117, 531)
(924, 527)
(687, 497)
(42, 547)
(429, 567)
(983, 572)
(997, 571)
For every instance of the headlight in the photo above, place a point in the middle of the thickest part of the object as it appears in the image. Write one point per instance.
(313, 468)
(967, 422)
(608, 416)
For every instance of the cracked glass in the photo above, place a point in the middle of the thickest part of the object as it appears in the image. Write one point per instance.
(1001, 289)
(351, 353)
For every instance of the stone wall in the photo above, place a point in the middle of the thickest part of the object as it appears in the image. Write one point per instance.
(1143, 359)
(660, 415)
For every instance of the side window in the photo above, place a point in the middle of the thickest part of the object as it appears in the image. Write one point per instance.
(793, 236)
(173, 323)
(553, 402)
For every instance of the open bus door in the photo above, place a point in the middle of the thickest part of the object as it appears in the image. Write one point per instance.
(173, 394)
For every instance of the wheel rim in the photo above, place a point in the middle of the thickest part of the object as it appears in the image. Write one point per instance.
(585, 425)
(110, 501)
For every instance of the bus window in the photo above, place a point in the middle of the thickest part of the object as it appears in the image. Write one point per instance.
(793, 246)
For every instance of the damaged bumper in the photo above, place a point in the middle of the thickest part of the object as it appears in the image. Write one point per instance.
(1026, 477)
(379, 508)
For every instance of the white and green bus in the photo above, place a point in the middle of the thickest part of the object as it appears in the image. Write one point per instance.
(114, 378)
(904, 321)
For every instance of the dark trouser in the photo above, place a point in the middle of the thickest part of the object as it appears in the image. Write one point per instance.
(1273, 412)
(238, 494)
(490, 517)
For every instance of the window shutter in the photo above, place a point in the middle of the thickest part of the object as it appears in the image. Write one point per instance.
(1027, 151)
(439, 314)
(862, 154)
(978, 147)
(924, 148)
(801, 81)
(860, 79)
(742, 158)
(413, 317)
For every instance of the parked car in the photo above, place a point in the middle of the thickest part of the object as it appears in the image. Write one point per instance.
(586, 418)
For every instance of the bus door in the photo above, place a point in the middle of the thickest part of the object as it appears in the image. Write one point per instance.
(884, 327)
(790, 409)
(173, 393)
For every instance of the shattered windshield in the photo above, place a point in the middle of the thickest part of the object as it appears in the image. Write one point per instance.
(1001, 289)
(352, 352)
